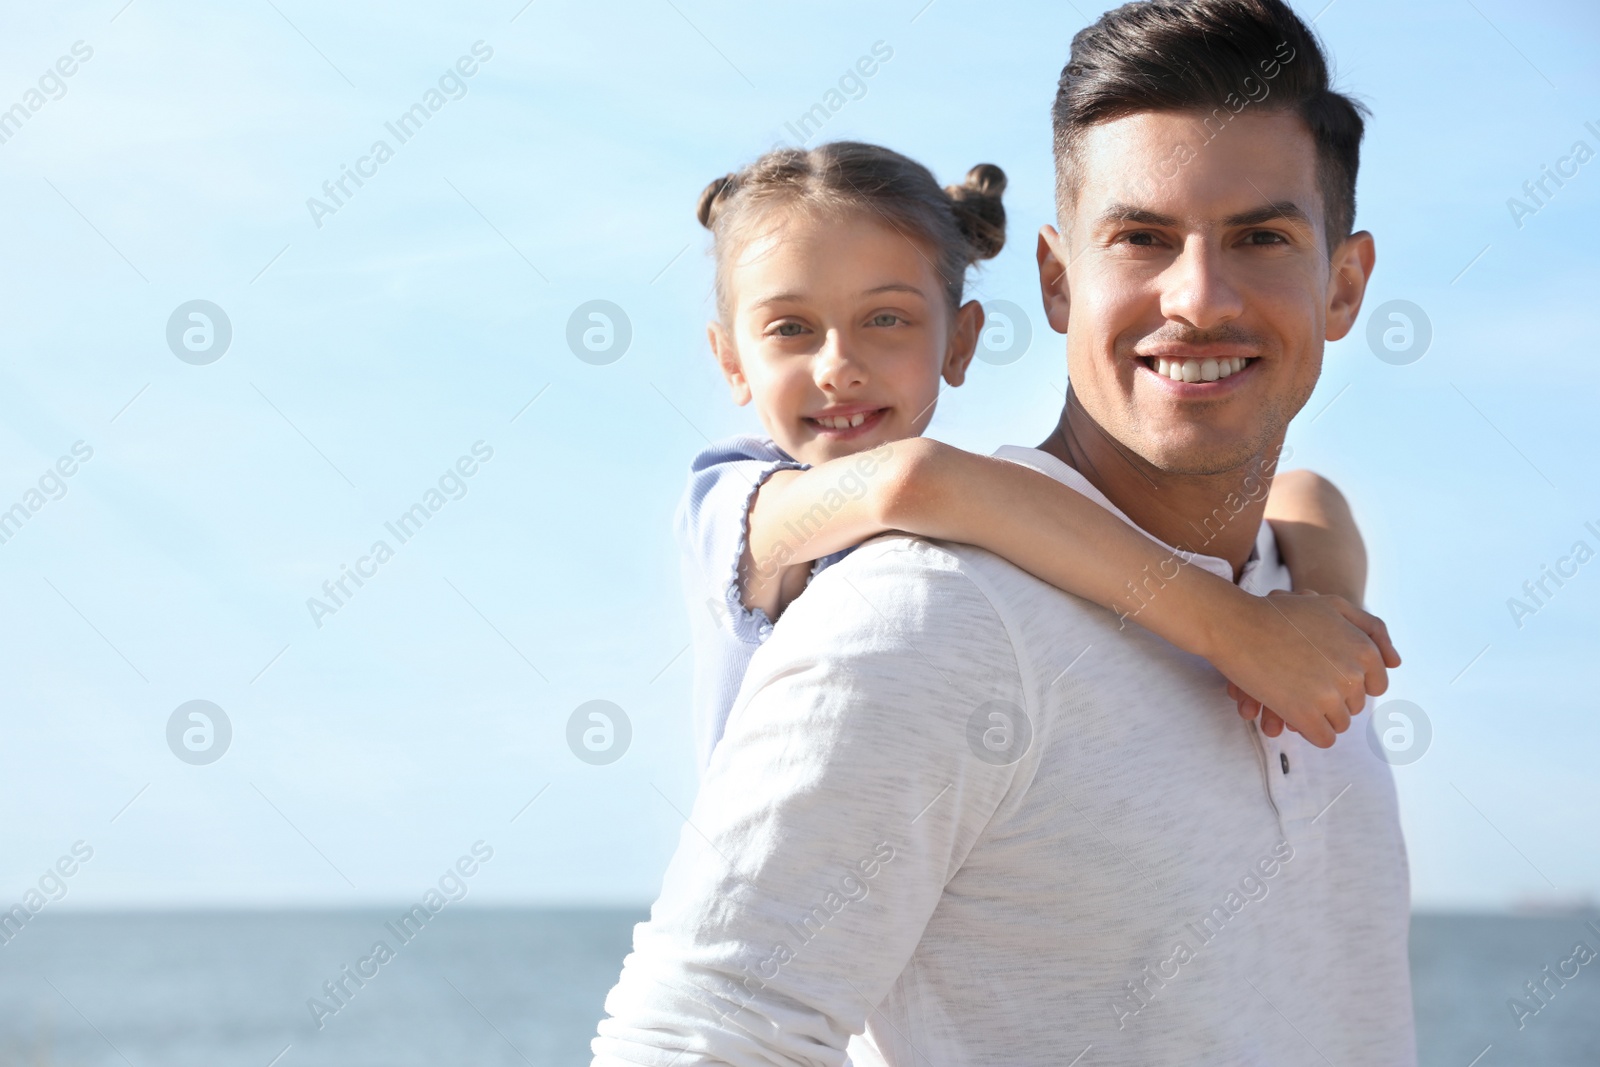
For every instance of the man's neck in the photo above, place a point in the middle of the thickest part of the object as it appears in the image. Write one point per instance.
(1214, 515)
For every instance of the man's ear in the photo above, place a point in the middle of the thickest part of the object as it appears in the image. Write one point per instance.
(1053, 260)
(728, 359)
(964, 334)
(1350, 270)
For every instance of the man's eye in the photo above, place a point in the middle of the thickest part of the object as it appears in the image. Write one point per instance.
(1266, 237)
(1142, 238)
(789, 329)
(886, 319)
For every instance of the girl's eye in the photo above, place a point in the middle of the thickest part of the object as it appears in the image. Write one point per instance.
(886, 319)
(789, 329)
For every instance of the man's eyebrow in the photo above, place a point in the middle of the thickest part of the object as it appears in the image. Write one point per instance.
(1119, 212)
(1278, 211)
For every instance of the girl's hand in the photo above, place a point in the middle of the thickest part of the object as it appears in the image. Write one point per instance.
(1305, 661)
(1250, 707)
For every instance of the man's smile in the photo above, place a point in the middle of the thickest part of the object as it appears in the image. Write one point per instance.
(1209, 369)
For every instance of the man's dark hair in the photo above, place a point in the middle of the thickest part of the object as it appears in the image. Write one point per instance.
(1212, 56)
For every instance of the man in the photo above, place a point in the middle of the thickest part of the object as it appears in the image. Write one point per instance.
(971, 817)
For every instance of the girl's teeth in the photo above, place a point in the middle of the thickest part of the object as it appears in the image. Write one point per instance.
(843, 422)
(1198, 370)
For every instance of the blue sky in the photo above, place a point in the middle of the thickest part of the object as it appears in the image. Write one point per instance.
(371, 352)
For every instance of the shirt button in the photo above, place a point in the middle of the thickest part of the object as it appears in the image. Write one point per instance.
(1283, 759)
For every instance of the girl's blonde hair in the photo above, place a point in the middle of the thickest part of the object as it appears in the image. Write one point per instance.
(962, 224)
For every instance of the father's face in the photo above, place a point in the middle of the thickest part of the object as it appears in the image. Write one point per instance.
(1177, 265)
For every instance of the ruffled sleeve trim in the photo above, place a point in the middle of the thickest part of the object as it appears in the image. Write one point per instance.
(751, 625)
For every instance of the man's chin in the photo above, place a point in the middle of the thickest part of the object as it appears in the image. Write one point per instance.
(1201, 454)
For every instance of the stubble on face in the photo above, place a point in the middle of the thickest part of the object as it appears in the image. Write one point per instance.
(1223, 258)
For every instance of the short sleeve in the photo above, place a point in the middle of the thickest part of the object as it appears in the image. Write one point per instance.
(714, 525)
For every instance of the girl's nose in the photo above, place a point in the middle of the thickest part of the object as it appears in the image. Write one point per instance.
(836, 368)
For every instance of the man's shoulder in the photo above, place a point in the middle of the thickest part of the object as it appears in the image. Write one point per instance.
(923, 561)
(916, 583)
(893, 582)
(902, 622)
(916, 564)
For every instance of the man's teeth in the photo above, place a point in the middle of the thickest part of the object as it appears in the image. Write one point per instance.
(1198, 370)
(842, 422)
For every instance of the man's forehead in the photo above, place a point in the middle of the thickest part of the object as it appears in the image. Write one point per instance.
(1192, 166)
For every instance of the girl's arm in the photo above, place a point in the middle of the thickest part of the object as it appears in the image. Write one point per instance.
(1320, 544)
(1309, 658)
(1317, 535)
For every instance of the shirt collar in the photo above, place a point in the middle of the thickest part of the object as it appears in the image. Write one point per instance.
(1260, 570)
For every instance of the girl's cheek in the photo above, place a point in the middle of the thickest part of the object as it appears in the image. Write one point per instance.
(790, 393)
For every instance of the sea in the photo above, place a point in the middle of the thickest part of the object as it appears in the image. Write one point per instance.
(513, 988)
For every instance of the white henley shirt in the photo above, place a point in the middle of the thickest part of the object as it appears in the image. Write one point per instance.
(961, 817)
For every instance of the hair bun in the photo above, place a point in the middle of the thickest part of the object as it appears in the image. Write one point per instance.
(978, 211)
(708, 207)
(986, 179)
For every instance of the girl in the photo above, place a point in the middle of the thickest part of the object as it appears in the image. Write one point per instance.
(839, 277)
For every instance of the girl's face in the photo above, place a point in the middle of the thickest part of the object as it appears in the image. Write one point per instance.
(839, 330)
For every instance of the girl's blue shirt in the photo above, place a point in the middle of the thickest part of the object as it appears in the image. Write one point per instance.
(713, 525)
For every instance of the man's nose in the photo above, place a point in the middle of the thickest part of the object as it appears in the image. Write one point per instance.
(1196, 288)
(837, 367)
